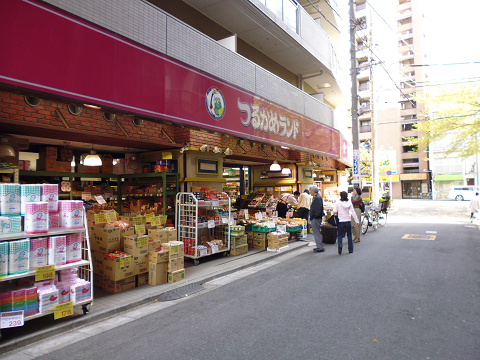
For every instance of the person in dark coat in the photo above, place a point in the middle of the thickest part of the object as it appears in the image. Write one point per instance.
(316, 215)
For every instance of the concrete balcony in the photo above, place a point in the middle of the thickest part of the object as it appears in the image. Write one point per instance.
(406, 57)
(305, 50)
(404, 14)
(364, 94)
(363, 72)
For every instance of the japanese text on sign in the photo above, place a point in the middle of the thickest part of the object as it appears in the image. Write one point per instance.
(62, 310)
(45, 272)
(12, 319)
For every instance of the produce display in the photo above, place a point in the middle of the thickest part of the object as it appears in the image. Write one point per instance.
(256, 200)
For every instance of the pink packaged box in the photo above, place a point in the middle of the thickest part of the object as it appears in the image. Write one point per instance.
(74, 248)
(38, 252)
(57, 250)
(53, 221)
(63, 292)
(71, 214)
(36, 218)
(50, 195)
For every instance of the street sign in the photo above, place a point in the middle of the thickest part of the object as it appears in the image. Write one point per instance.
(389, 172)
(356, 168)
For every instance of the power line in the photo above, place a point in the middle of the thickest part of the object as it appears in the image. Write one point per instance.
(464, 63)
(442, 118)
(381, 17)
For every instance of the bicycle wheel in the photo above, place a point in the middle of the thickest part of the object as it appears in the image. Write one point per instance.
(364, 224)
(382, 218)
(375, 220)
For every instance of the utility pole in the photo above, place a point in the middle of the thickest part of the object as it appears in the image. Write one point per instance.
(355, 132)
(373, 122)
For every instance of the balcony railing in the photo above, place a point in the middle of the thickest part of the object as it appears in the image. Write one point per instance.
(404, 15)
(365, 108)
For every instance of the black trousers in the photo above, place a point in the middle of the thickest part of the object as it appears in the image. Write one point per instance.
(281, 210)
(303, 214)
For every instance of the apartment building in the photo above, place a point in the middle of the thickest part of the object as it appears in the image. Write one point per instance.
(386, 83)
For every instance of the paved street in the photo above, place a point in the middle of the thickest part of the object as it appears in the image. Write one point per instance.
(410, 290)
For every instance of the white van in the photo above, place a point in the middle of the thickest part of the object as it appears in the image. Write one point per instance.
(463, 192)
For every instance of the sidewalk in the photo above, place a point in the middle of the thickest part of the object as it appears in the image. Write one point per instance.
(107, 305)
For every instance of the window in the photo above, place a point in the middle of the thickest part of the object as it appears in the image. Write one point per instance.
(405, 21)
(406, 63)
(410, 148)
(360, 6)
(411, 170)
(361, 23)
(363, 85)
(403, 1)
(360, 45)
(408, 127)
(410, 161)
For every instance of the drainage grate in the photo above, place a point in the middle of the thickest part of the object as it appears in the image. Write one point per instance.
(181, 292)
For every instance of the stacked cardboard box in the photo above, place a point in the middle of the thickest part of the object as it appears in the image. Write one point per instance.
(249, 235)
(158, 267)
(238, 245)
(47, 160)
(276, 241)
(176, 271)
(137, 246)
(259, 240)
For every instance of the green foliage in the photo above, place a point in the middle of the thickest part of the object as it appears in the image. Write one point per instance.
(456, 112)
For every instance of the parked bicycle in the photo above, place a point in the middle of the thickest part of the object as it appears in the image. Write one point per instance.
(374, 216)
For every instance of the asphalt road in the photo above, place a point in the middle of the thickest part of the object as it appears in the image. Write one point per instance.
(393, 298)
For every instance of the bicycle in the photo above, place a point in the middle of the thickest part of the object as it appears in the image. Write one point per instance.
(369, 219)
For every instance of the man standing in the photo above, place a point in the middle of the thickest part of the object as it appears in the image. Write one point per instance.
(282, 205)
(304, 203)
(474, 206)
(316, 215)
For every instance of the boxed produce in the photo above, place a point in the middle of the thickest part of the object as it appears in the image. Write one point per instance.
(118, 286)
(171, 234)
(259, 236)
(158, 234)
(238, 241)
(259, 244)
(118, 266)
(105, 239)
(98, 262)
(141, 279)
(158, 256)
(157, 273)
(176, 276)
(239, 250)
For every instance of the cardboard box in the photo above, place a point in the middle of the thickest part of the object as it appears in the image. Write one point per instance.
(133, 219)
(157, 273)
(64, 166)
(118, 286)
(98, 281)
(180, 262)
(249, 234)
(176, 276)
(97, 261)
(104, 239)
(140, 264)
(107, 164)
(172, 234)
(141, 279)
(49, 152)
(125, 232)
(118, 268)
(154, 245)
(173, 264)
(238, 241)
(157, 258)
(239, 250)
(178, 248)
(277, 243)
(259, 236)
(82, 169)
(158, 234)
(136, 245)
(259, 244)
(47, 164)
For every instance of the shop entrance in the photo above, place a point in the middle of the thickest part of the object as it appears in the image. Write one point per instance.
(411, 189)
(237, 182)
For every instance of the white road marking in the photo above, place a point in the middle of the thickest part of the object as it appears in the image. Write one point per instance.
(430, 232)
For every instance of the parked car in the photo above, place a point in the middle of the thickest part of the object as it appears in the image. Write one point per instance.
(463, 192)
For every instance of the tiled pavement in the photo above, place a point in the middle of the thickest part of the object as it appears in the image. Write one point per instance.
(106, 305)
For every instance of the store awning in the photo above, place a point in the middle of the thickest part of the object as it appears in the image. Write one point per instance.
(448, 177)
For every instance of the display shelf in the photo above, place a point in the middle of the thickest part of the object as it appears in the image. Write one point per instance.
(32, 272)
(202, 256)
(55, 232)
(187, 221)
(14, 172)
(80, 303)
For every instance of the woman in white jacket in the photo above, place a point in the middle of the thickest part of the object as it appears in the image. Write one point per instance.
(344, 210)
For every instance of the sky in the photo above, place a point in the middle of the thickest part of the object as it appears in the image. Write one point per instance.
(451, 37)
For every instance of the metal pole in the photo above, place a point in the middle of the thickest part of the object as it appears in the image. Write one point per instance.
(375, 196)
(353, 71)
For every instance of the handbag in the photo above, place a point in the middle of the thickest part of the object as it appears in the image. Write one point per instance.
(333, 220)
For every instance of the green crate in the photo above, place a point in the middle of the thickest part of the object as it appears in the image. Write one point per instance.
(263, 229)
(295, 228)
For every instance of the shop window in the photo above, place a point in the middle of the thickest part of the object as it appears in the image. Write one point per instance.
(32, 100)
(137, 122)
(109, 116)
(74, 109)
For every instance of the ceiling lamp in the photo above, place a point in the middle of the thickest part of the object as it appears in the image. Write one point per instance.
(73, 164)
(286, 170)
(275, 166)
(133, 163)
(92, 106)
(5, 149)
(92, 159)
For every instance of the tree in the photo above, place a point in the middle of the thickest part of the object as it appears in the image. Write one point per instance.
(366, 162)
(456, 113)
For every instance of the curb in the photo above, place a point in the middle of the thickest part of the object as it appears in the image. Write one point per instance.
(92, 318)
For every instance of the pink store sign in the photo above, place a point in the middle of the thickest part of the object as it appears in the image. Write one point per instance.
(77, 60)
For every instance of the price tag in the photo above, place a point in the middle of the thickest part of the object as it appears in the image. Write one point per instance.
(45, 273)
(155, 221)
(282, 228)
(138, 220)
(62, 310)
(111, 216)
(211, 224)
(100, 218)
(215, 203)
(245, 212)
(86, 196)
(224, 220)
(149, 217)
(108, 195)
(258, 216)
(142, 241)
(283, 188)
(12, 319)
(270, 225)
(275, 219)
(264, 215)
(140, 229)
(100, 199)
(125, 261)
